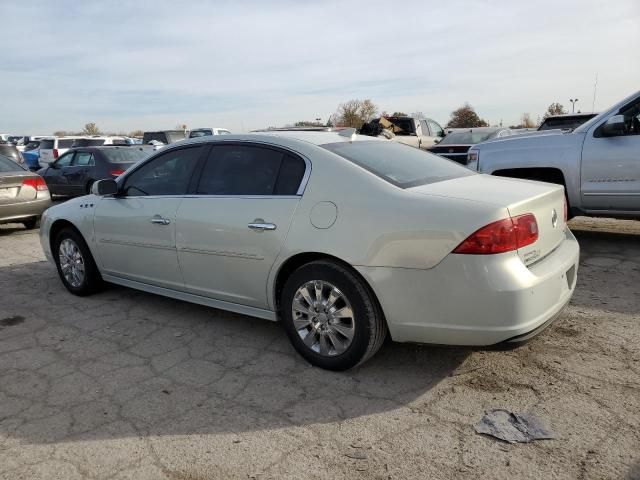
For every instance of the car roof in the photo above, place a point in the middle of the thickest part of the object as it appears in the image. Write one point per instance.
(571, 115)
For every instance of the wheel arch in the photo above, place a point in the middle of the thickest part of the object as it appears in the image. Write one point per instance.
(57, 226)
(294, 262)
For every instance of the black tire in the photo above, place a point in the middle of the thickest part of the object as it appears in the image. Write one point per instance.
(31, 223)
(92, 280)
(370, 327)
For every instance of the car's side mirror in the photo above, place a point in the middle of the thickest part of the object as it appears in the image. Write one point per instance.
(437, 140)
(614, 126)
(104, 187)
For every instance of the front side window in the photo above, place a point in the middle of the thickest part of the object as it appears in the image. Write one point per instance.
(83, 159)
(250, 170)
(65, 160)
(167, 174)
(398, 164)
(632, 119)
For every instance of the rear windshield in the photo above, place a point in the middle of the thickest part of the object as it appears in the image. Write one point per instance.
(88, 142)
(8, 165)
(467, 138)
(398, 164)
(123, 155)
(46, 144)
(65, 142)
(164, 137)
(31, 145)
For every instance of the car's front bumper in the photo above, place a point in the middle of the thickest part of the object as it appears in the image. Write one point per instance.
(476, 299)
(17, 212)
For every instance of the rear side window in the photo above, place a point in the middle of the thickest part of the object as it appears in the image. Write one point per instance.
(65, 142)
(167, 174)
(46, 144)
(398, 164)
(250, 170)
(88, 142)
(123, 155)
(83, 159)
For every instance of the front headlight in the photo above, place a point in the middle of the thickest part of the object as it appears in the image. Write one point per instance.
(472, 159)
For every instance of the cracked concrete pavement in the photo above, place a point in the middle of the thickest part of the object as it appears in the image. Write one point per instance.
(126, 384)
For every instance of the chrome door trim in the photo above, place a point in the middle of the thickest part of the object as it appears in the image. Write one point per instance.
(612, 194)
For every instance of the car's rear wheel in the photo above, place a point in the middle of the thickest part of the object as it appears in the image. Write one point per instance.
(76, 267)
(331, 316)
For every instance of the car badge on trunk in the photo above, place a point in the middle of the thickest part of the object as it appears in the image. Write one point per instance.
(554, 218)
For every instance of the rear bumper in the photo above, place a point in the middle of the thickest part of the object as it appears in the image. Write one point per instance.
(23, 210)
(475, 299)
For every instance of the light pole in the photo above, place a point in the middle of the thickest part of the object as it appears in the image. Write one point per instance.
(573, 104)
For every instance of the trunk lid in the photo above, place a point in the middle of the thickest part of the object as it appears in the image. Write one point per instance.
(12, 190)
(544, 200)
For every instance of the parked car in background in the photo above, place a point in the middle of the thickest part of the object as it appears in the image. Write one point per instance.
(97, 141)
(9, 150)
(457, 143)
(75, 172)
(341, 237)
(569, 121)
(23, 194)
(420, 133)
(4, 137)
(31, 155)
(53, 147)
(205, 132)
(166, 137)
(23, 142)
(598, 163)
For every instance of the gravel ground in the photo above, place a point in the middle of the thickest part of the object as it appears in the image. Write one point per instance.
(130, 385)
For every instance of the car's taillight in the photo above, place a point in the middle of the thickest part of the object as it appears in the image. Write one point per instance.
(37, 183)
(116, 173)
(55, 153)
(501, 236)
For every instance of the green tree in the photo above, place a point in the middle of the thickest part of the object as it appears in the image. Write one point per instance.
(466, 117)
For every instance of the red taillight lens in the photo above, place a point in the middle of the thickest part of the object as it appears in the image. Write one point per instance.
(501, 236)
(55, 153)
(116, 173)
(36, 183)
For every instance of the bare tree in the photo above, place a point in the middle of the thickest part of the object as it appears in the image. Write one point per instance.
(399, 114)
(554, 109)
(466, 117)
(526, 121)
(354, 113)
(91, 129)
(60, 133)
(419, 115)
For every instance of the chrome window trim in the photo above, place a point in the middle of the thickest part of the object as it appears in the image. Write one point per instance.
(212, 142)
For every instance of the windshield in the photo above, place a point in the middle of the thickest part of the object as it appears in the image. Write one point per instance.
(200, 133)
(123, 155)
(564, 122)
(8, 165)
(467, 138)
(398, 164)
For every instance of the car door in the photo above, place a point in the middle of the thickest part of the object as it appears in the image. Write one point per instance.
(230, 231)
(78, 172)
(55, 174)
(135, 230)
(434, 130)
(610, 175)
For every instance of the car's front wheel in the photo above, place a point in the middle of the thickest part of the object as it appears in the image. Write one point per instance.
(331, 316)
(76, 267)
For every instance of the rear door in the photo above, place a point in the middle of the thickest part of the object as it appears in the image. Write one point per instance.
(231, 229)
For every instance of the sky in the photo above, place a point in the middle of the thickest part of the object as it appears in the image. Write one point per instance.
(249, 64)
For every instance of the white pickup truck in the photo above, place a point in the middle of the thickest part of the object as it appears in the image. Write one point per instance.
(598, 163)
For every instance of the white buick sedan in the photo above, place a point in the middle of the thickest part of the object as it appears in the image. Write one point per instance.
(344, 239)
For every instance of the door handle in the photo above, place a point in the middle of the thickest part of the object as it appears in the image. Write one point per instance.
(260, 225)
(158, 220)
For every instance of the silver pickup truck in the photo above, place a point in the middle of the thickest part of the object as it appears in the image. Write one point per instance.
(598, 163)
